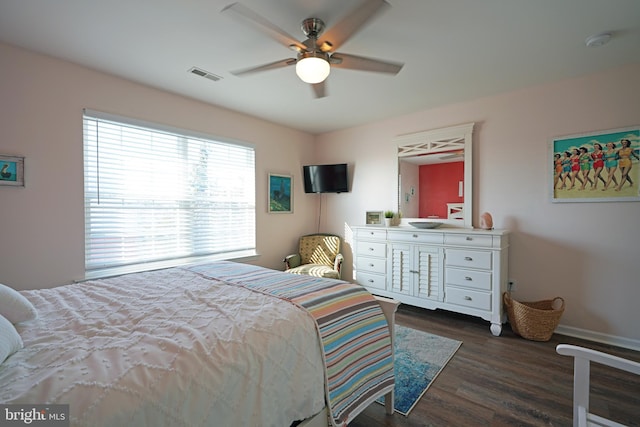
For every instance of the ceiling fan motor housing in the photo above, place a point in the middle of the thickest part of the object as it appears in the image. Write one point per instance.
(312, 27)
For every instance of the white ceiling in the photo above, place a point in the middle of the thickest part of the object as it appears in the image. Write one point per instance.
(453, 50)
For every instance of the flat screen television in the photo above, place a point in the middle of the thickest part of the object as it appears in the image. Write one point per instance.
(325, 178)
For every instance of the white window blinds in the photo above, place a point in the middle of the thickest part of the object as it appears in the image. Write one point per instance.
(154, 195)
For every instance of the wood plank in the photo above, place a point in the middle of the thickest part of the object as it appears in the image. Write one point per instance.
(507, 380)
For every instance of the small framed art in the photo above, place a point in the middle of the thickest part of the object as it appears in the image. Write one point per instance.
(280, 193)
(375, 217)
(596, 166)
(12, 171)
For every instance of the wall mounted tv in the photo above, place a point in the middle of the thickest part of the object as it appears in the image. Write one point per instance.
(325, 178)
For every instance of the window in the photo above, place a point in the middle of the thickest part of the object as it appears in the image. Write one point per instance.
(160, 196)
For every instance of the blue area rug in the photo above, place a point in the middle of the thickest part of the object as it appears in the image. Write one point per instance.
(419, 358)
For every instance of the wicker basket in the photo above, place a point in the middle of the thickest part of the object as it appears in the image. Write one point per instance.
(534, 321)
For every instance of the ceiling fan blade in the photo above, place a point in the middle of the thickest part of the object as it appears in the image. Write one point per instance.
(270, 66)
(351, 23)
(319, 89)
(354, 62)
(263, 25)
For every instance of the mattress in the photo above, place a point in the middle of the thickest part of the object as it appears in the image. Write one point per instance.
(167, 347)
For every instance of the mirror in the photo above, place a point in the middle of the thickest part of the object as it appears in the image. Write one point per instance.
(435, 176)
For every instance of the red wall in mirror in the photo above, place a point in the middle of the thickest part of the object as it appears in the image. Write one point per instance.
(441, 183)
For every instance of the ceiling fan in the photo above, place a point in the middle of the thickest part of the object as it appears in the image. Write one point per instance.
(317, 54)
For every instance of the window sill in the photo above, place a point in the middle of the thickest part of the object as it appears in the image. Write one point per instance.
(239, 256)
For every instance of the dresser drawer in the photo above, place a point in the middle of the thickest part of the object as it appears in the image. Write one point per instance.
(468, 298)
(416, 237)
(371, 265)
(372, 249)
(477, 240)
(371, 233)
(470, 259)
(371, 280)
(468, 278)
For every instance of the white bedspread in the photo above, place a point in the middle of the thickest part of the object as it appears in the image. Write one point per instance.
(167, 348)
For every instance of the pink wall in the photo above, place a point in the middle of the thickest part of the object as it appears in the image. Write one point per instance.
(440, 181)
(585, 252)
(42, 100)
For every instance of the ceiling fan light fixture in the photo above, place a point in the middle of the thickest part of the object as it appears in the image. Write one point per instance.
(313, 68)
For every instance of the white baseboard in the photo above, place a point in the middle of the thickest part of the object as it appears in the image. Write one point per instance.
(598, 337)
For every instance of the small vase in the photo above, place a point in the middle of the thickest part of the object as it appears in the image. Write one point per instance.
(387, 222)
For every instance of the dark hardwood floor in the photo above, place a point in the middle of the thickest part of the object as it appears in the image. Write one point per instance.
(507, 380)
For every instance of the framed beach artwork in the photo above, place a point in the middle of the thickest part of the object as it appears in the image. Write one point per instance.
(12, 171)
(596, 167)
(280, 193)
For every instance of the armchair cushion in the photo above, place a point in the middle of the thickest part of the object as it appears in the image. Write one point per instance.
(317, 270)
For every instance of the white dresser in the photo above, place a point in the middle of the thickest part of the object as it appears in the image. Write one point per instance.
(455, 269)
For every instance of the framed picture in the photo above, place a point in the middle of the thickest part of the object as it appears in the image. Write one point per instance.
(375, 218)
(280, 193)
(596, 167)
(12, 171)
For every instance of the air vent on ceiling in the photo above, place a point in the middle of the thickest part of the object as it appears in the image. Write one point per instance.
(202, 73)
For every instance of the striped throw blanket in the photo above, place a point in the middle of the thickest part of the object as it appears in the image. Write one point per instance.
(352, 328)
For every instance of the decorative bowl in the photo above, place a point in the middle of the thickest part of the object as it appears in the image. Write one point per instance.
(425, 224)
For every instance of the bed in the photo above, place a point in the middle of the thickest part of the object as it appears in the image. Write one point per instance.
(214, 344)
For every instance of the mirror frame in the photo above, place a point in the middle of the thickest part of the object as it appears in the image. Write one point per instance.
(437, 141)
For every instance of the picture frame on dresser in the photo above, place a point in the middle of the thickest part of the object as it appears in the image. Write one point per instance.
(374, 218)
(599, 166)
(12, 171)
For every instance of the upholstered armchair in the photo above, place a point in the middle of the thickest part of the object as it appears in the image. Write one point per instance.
(318, 255)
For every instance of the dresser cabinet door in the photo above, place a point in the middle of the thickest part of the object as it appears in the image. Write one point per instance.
(428, 260)
(416, 270)
(401, 268)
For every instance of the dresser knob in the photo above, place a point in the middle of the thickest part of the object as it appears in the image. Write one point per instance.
(370, 265)
(468, 258)
(370, 280)
(415, 236)
(468, 298)
(468, 278)
(469, 238)
(371, 249)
